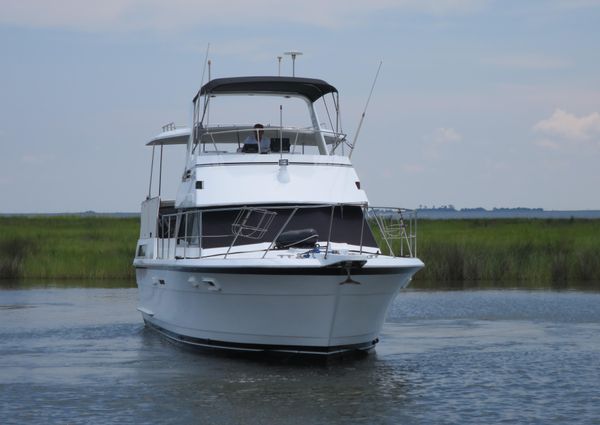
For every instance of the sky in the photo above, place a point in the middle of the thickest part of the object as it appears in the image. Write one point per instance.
(479, 103)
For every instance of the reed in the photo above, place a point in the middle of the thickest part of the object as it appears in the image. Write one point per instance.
(12, 253)
(457, 253)
(531, 251)
(67, 247)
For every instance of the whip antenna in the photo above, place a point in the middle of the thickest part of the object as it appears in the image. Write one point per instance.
(206, 62)
(196, 119)
(362, 118)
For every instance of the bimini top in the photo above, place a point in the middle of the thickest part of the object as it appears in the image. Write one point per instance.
(310, 88)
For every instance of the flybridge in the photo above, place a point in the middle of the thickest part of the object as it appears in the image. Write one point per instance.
(286, 108)
(258, 126)
(280, 109)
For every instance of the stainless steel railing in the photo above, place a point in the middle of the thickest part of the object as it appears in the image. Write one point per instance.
(180, 234)
(297, 137)
(396, 224)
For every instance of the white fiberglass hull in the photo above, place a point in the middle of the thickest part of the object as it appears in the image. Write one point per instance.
(290, 309)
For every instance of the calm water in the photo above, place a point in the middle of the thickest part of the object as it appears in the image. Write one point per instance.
(82, 355)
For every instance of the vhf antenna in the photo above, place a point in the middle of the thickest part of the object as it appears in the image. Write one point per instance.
(293, 54)
(205, 64)
(362, 118)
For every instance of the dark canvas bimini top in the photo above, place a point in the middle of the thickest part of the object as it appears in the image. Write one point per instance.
(310, 88)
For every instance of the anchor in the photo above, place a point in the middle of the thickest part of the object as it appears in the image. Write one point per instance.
(348, 265)
(349, 278)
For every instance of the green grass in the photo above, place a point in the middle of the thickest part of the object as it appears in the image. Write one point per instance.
(457, 253)
(67, 247)
(530, 251)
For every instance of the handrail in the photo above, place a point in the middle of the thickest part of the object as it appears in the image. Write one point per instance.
(186, 235)
(396, 224)
(280, 231)
(207, 135)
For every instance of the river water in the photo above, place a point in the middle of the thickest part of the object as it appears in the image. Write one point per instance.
(82, 355)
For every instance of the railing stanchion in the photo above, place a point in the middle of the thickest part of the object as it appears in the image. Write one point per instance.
(362, 226)
(280, 232)
(415, 241)
(160, 246)
(381, 224)
(330, 227)
(200, 233)
(175, 231)
(168, 235)
(402, 232)
(185, 235)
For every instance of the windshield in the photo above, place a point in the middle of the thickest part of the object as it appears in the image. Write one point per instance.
(248, 110)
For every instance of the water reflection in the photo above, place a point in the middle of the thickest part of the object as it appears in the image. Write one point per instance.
(228, 389)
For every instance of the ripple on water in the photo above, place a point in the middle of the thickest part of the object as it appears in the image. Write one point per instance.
(472, 357)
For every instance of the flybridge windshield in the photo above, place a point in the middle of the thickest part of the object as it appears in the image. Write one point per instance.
(270, 111)
(266, 115)
(233, 123)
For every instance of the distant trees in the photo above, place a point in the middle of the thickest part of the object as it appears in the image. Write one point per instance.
(450, 208)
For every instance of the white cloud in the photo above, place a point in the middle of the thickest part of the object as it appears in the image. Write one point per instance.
(176, 14)
(569, 127)
(437, 141)
(443, 135)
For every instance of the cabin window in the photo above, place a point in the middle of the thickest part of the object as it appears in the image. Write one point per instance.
(189, 228)
(166, 225)
(347, 225)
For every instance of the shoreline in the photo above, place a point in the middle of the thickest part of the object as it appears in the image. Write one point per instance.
(462, 253)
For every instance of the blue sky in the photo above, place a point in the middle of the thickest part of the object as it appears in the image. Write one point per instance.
(479, 102)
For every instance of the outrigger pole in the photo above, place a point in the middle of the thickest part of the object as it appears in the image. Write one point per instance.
(362, 118)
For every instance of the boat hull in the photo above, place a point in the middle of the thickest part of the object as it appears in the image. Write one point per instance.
(313, 311)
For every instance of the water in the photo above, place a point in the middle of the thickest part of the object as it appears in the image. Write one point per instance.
(82, 355)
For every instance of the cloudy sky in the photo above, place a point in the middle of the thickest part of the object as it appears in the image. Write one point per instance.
(479, 102)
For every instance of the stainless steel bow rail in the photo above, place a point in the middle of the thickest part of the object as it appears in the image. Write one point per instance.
(180, 235)
(396, 224)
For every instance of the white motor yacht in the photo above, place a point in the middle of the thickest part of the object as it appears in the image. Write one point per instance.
(271, 243)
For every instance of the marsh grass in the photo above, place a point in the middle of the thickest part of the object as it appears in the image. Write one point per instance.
(13, 251)
(552, 252)
(67, 247)
(457, 253)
